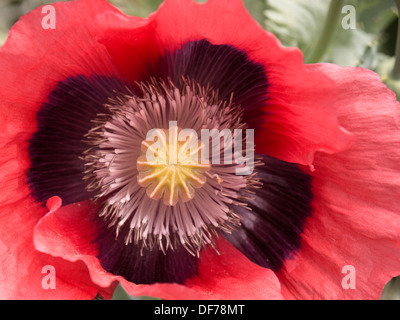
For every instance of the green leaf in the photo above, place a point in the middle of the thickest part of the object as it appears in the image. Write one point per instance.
(295, 23)
(348, 47)
(300, 23)
(375, 15)
(121, 294)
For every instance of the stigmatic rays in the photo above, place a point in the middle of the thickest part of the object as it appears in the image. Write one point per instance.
(170, 168)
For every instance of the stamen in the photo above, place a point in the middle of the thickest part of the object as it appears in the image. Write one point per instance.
(147, 173)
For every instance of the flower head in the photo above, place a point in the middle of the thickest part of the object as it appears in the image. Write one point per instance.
(190, 155)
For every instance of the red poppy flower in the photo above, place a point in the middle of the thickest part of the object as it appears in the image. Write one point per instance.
(77, 103)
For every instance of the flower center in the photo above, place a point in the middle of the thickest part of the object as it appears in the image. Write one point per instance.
(147, 171)
(170, 168)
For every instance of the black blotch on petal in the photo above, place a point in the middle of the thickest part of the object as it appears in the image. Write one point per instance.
(272, 226)
(55, 147)
(222, 67)
(143, 267)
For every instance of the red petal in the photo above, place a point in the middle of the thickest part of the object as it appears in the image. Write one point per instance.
(34, 59)
(69, 231)
(20, 264)
(302, 117)
(133, 48)
(357, 198)
(232, 276)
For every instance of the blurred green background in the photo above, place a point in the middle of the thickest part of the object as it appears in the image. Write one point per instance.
(313, 26)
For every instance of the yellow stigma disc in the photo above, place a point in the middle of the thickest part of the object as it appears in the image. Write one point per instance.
(170, 165)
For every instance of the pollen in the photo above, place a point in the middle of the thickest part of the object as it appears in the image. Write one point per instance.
(170, 166)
